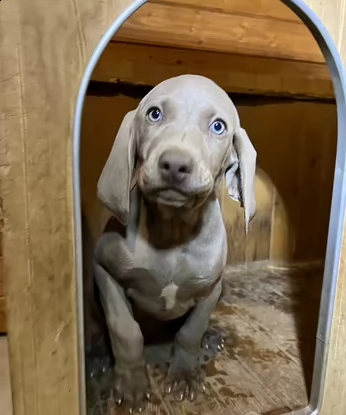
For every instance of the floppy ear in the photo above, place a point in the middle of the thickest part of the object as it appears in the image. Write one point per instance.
(240, 175)
(113, 187)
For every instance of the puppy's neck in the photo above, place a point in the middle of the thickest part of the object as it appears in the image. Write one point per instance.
(168, 227)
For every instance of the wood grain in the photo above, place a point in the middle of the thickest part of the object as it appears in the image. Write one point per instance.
(265, 8)
(283, 236)
(255, 246)
(133, 63)
(189, 28)
(296, 145)
(40, 74)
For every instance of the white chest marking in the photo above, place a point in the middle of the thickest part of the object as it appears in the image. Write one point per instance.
(169, 294)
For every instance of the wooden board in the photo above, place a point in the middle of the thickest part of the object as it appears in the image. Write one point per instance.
(261, 243)
(126, 62)
(265, 8)
(190, 28)
(296, 145)
(40, 74)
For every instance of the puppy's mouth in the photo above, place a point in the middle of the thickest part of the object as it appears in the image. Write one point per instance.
(169, 197)
(176, 198)
(175, 195)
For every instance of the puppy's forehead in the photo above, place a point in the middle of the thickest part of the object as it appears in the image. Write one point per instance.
(191, 91)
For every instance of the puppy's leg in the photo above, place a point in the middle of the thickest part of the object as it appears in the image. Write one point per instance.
(131, 380)
(92, 327)
(184, 377)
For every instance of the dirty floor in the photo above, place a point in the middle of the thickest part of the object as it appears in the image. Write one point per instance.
(268, 317)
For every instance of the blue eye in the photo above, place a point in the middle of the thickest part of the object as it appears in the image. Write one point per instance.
(154, 114)
(218, 127)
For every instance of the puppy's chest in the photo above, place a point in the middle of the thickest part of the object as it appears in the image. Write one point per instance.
(177, 265)
(174, 278)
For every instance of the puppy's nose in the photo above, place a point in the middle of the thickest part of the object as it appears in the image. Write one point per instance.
(175, 166)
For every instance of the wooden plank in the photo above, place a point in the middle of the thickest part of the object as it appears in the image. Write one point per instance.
(134, 63)
(296, 146)
(255, 246)
(282, 241)
(264, 8)
(189, 28)
(38, 90)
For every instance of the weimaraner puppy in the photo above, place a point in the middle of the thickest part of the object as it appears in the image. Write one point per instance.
(160, 182)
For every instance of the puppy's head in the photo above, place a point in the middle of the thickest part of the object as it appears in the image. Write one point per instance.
(182, 139)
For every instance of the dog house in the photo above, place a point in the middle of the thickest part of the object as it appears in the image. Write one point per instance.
(69, 71)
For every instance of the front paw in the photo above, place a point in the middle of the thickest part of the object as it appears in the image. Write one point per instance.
(184, 378)
(213, 341)
(132, 387)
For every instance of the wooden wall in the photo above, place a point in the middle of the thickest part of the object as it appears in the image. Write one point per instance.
(2, 277)
(149, 64)
(37, 66)
(248, 46)
(257, 47)
(264, 28)
(296, 143)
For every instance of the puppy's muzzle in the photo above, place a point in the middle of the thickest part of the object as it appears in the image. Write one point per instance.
(175, 166)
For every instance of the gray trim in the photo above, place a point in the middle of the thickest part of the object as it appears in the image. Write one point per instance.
(337, 216)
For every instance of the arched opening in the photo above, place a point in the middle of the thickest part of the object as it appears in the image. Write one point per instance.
(338, 199)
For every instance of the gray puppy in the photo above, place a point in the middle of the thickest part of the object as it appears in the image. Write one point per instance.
(160, 182)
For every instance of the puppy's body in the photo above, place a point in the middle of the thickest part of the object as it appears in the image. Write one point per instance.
(167, 259)
(166, 262)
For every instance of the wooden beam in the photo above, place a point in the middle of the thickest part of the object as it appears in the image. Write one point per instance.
(189, 28)
(274, 9)
(149, 65)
